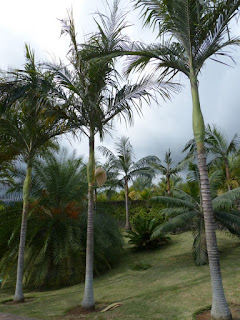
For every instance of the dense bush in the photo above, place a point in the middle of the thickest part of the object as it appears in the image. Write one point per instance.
(137, 208)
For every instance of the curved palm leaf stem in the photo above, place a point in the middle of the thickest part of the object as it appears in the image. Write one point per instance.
(127, 225)
(88, 299)
(220, 309)
(19, 297)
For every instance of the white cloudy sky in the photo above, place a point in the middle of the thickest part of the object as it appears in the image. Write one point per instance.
(166, 126)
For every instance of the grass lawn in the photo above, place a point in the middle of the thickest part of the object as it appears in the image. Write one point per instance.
(172, 289)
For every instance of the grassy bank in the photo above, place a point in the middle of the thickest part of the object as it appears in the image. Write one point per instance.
(173, 288)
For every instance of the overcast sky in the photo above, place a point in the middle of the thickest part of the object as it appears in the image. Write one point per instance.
(167, 125)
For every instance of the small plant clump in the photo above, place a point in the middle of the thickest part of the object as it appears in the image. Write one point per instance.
(141, 266)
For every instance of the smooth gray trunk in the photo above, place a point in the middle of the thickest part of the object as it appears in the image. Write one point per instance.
(88, 298)
(220, 309)
(88, 301)
(19, 297)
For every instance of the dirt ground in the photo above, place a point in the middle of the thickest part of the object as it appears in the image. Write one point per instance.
(235, 310)
(79, 313)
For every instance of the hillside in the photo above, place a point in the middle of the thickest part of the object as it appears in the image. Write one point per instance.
(173, 288)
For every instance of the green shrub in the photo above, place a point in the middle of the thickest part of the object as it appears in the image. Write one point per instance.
(142, 231)
(136, 208)
(140, 266)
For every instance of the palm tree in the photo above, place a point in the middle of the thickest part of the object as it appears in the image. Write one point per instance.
(57, 225)
(175, 181)
(127, 168)
(25, 125)
(167, 170)
(221, 149)
(112, 182)
(93, 99)
(185, 210)
(217, 145)
(190, 32)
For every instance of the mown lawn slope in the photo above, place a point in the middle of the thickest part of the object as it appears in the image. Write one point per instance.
(173, 288)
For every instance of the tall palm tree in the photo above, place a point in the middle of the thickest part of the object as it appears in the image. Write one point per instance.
(25, 98)
(217, 145)
(161, 187)
(221, 149)
(93, 99)
(127, 168)
(190, 32)
(167, 170)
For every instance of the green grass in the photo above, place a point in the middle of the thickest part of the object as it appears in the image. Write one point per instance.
(172, 289)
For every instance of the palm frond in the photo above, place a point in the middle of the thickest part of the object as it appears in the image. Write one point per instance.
(227, 200)
(173, 202)
(180, 221)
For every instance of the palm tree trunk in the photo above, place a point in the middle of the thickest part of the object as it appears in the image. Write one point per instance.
(220, 309)
(168, 185)
(228, 176)
(88, 299)
(19, 297)
(127, 225)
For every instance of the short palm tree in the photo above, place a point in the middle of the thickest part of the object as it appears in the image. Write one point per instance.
(93, 98)
(24, 125)
(185, 210)
(123, 161)
(190, 32)
(57, 225)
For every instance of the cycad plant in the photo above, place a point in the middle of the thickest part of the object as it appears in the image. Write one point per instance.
(27, 128)
(190, 32)
(141, 235)
(123, 161)
(93, 98)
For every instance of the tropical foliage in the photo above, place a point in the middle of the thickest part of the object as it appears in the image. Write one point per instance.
(26, 129)
(124, 163)
(141, 235)
(57, 224)
(184, 209)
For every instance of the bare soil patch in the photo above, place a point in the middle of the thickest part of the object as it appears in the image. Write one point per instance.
(80, 313)
(206, 315)
(11, 302)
